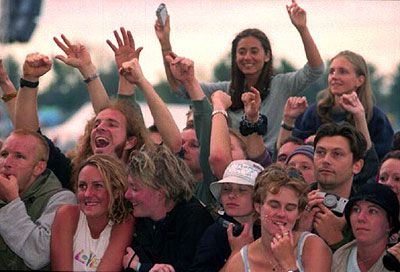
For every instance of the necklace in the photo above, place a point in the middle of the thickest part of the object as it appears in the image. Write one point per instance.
(271, 260)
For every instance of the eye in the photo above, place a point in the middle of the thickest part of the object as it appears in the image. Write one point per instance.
(274, 205)
(319, 152)
(291, 207)
(254, 51)
(373, 211)
(383, 178)
(98, 185)
(305, 167)
(355, 209)
(337, 154)
(4, 154)
(82, 186)
(19, 156)
(396, 178)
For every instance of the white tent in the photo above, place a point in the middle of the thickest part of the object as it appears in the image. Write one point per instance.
(66, 134)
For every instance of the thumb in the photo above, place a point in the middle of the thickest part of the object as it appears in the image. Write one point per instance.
(129, 250)
(61, 57)
(138, 51)
(229, 231)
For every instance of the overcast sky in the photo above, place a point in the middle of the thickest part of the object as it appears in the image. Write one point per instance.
(203, 30)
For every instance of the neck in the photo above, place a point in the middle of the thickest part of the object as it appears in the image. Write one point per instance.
(343, 190)
(369, 254)
(161, 212)
(251, 80)
(245, 219)
(97, 225)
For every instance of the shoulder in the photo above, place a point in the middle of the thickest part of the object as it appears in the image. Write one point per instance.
(67, 217)
(313, 244)
(68, 211)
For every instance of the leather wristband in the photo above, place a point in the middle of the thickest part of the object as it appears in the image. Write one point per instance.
(8, 97)
(29, 84)
(286, 126)
(91, 78)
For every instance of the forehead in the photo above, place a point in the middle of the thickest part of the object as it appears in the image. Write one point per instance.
(341, 61)
(284, 195)
(20, 143)
(391, 164)
(248, 42)
(188, 134)
(111, 114)
(288, 148)
(89, 173)
(301, 158)
(334, 142)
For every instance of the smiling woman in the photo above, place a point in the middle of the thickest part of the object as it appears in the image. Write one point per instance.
(94, 234)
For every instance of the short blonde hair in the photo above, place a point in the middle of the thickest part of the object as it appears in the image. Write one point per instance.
(276, 176)
(159, 169)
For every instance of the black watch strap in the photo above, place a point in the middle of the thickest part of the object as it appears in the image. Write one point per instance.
(29, 84)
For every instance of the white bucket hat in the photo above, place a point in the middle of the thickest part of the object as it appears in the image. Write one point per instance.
(239, 172)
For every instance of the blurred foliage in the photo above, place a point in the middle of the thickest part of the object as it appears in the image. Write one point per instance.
(68, 92)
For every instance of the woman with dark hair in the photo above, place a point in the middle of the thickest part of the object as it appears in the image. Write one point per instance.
(348, 98)
(389, 172)
(252, 67)
(373, 215)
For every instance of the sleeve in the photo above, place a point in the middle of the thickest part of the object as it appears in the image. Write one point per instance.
(31, 240)
(59, 164)
(295, 83)
(202, 123)
(381, 132)
(307, 123)
(208, 88)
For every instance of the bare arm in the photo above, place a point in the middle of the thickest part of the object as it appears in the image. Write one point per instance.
(62, 234)
(294, 107)
(9, 92)
(120, 239)
(26, 114)
(299, 20)
(254, 141)
(162, 116)
(352, 104)
(220, 142)
(163, 34)
(78, 56)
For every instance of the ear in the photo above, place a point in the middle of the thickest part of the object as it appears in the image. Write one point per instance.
(267, 57)
(130, 143)
(360, 81)
(257, 207)
(39, 168)
(357, 166)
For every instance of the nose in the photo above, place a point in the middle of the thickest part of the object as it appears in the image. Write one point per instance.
(361, 216)
(128, 194)
(100, 126)
(88, 192)
(6, 161)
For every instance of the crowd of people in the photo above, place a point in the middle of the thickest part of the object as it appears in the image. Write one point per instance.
(258, 180)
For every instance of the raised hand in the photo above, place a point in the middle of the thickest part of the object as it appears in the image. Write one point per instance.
(76, 54)
(162, 33)
(294, 107)
(126, 50)
(351, 103)
(221, 100)
(3, 73)
(35, 66)
(132, 71)
(297, 15)
(182, 69)
(251, 101)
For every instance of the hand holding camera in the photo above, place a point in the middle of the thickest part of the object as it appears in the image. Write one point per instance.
(335, 203)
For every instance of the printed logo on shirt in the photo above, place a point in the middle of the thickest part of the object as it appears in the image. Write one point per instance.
(87, 258)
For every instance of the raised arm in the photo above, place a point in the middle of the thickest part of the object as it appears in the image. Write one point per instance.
(9, 92)
(77, 56)
(162, 116)
(294, 107)
(352, 104)
(299, 20)
(124, 51)
(163, 34)
(26, 114)
(220, 143)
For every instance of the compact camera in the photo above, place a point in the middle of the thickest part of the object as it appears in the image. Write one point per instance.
(237, 228)
(333, 202)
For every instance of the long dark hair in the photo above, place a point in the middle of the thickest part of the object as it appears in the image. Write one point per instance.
(238, 78)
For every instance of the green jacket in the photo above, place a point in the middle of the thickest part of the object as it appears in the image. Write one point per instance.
(20, 227)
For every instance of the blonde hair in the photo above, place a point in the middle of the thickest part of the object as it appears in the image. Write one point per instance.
(276, 176)
(364, 92)
(115, 178)
(159, 169)
(42, 147)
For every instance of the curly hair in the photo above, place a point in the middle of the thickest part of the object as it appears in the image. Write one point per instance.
(159, 169)
(276, 176)
(115, 178)
(238, 78)
(364, 92)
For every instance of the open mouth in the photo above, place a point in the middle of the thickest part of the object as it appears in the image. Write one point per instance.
(101, 142)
